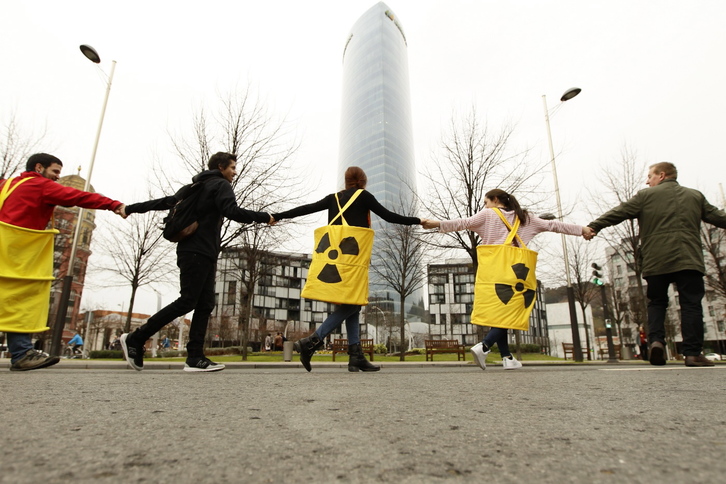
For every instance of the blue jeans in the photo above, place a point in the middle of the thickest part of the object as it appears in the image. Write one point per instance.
(498, 336)
(18, 345)
(690, 293)
(347, 312)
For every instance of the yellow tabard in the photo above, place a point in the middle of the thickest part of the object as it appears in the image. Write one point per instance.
(339, 270)
(506, 284)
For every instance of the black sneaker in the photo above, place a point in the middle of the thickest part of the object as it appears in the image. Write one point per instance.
(134, 354)
(202, 364)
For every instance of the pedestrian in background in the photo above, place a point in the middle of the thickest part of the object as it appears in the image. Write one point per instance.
(669, 218)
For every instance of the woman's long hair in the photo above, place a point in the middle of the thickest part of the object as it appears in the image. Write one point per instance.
(355, 178)
(510, 203)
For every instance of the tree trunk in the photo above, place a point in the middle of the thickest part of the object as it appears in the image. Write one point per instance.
(127, 326)
(403, 329)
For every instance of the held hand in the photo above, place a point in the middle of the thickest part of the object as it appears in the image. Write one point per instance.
(121, 211)
(272, 221)
(430, 224)
(588, 233)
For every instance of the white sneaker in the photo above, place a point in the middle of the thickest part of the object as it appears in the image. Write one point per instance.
(480, 356)
(511, 363)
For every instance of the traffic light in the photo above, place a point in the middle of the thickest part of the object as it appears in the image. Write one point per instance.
(597, 275)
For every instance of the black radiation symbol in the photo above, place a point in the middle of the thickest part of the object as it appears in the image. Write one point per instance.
(506, 292)
(348, 246)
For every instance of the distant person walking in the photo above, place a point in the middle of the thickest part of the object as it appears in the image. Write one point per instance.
(197, 261)
(493, 231)
(26, 206)
(669, 217)
(356, 215)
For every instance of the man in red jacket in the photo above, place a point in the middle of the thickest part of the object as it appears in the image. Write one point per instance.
(29, 203)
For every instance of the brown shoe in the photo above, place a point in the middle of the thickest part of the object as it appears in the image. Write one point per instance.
(656, 353)
(699, 360)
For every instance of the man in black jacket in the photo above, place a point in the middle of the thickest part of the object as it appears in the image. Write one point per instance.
(197, 261)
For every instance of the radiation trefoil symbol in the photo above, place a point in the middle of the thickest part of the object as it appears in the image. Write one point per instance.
(348, 246)
(505, 292)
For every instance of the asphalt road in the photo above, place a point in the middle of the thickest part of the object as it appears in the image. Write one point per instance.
(405, 424)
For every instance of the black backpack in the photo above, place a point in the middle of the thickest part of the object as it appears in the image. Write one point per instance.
(182, 220)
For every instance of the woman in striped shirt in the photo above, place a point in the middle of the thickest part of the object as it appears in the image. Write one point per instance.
(492, 231)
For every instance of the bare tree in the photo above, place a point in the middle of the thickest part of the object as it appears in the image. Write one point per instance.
(621, 182)
(266, 177)
(264, 148)
(714, 243)
(400, 265)
(254, 262)
(138, 254)
(473, 161)
(15, 147)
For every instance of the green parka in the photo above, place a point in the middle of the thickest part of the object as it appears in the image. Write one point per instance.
(669, 217)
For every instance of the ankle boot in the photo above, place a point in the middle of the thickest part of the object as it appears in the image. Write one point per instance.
(357, 360)
(307, 347)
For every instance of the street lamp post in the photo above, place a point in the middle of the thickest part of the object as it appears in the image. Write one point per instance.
(384, 321)
(93, 56)
(576, 346)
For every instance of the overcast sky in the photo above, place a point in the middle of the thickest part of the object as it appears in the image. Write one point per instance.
(652, 75)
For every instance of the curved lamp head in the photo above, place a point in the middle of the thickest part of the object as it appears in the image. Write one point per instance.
(570, 93)
(91, 53)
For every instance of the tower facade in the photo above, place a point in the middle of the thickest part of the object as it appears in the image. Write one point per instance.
(375, 127)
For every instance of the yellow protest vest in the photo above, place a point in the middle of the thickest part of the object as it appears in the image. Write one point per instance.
(339, 270)
(506, 284)
(26, 273)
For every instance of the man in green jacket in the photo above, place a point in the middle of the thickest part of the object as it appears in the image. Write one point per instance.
(669, 217)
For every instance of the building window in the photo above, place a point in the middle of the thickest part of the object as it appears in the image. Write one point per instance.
(231, 292)
(437, 299)
(438, 278)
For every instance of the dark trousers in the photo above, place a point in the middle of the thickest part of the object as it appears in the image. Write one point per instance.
(499, 337)
(690, 293)
(197, 277)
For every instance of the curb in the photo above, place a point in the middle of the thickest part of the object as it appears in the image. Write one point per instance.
(242, 365)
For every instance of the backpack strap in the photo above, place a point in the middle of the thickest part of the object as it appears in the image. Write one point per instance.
(512, 229)
(341, 210)
(7, 189)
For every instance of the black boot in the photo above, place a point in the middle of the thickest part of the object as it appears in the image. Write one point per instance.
(307, 347)
(357, 360)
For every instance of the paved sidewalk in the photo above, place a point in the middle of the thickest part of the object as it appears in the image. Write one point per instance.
(408, 424)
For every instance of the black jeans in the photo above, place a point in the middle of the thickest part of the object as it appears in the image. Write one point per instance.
(197, 277)
(499, 337)
(690, 293)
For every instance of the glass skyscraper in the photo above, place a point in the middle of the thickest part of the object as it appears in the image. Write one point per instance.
(375, 126)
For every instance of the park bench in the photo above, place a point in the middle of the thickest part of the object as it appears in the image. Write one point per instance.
(444, 346)
(569, 349)
(604, 353)
(341, 346)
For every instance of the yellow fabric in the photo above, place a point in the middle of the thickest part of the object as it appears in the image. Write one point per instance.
(26, 273)
(339, 270)
(506, 284)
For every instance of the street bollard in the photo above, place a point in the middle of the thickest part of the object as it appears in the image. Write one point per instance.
(287, 351)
